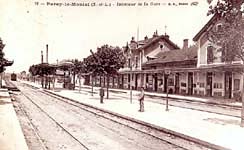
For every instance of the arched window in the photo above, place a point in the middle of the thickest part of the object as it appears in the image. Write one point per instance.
(219, 27)
(161, 46)
(210, 56)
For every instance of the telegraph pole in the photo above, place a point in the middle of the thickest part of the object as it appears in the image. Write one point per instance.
(47, 53)
(41, 56)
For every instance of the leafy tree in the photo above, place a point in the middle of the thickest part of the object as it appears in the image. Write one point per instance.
(77, 69)
(81, 70)
(2, 56)
(230, 37)
(108, 61)
(43, 70)
(33, 71)
(3, 62)
(91, 67)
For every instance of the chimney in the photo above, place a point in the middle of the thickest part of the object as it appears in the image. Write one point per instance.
(132, 39)
(47, 53)
(145, 38)
(155, 34)
(166, 36)
(41, 56)
(185, 43)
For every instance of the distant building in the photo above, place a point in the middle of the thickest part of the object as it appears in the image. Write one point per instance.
(140, 52)
(159, 65)
(172, 70)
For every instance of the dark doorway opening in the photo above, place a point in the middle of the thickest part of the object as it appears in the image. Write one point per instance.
(190, 83)
(228, 84)
(209, 83)
(165, 83)
(177, 83)
(155, 82)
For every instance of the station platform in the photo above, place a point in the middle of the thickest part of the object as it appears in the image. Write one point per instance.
(11, 135)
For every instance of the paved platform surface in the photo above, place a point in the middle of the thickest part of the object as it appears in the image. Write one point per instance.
(228, 102)
(221, 130)
(11, 135)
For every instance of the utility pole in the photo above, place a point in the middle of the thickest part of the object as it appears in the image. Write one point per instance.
(42, 74)
(130, 83)
(91, 73)
(167, 73)
(47, 53)
(130, 65)
(41, 56)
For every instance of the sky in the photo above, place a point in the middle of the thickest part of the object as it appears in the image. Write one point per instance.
(71, 31)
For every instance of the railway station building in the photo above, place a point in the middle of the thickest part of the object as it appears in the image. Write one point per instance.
(159, 65)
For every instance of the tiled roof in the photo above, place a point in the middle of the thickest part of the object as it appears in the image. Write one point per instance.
(175, 56)
(147, 42)
(157, 38)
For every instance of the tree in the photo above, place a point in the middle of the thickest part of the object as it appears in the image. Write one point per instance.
(33, 71)
(43, 70)
(3, 62)
(81, 70)
(230, 37)
(91, 67)
(78, 69)
(109, 60)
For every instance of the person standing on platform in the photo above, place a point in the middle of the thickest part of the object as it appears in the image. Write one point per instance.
(141, 100)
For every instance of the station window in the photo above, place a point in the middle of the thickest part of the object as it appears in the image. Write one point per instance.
(210, 55)
(171, 81)
(201, 84)
(236, 84)
(218, 85)
(161, 46)
(219, 27)
(182, 84)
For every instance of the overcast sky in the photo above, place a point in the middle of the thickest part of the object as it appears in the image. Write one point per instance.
(71, 31)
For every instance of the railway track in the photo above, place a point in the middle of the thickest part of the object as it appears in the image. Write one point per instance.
(158, 132)
(32, 125)
(57, 123)
(101, 114)
(164, 135)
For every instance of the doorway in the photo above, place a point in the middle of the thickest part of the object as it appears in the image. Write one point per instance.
(165, 82)
(190, 83)
(209, 83)
(228, 84)
(177, 83)
(136, 82)
(155, 82)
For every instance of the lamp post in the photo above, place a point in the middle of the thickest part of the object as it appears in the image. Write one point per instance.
(92, 72)
(167, 73)
(131, 84)
(130, 65)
